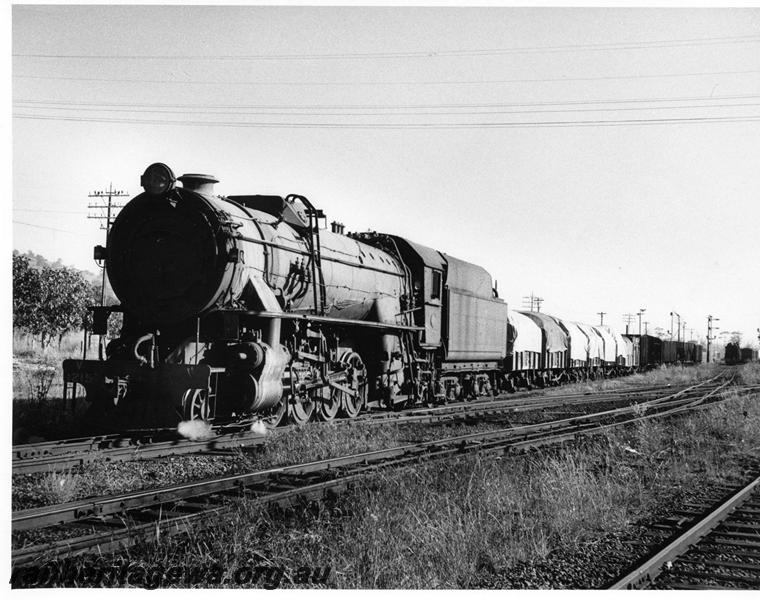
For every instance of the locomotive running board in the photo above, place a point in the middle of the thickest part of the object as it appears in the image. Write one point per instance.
(321, 319)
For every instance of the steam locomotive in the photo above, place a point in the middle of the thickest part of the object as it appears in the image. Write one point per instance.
(735, 355)
(246, 305)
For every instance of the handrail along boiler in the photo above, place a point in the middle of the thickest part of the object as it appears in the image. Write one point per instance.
(242, 305)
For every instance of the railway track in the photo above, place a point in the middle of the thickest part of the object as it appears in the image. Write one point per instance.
(111, 522)
(720, 549)
(60, 455)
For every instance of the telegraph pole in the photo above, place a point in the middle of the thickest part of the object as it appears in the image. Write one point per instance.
(646, 329)
(533, 302)
(641, 312)
(601, 317)
(710, 336)
(105, 204)
(627, 318)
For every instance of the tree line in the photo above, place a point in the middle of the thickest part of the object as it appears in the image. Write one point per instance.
(50, 301)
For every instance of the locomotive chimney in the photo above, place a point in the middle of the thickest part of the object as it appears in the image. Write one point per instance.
(196, 182)
(337, 227)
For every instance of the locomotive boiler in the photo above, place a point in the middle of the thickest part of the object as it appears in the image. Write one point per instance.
(244, 305)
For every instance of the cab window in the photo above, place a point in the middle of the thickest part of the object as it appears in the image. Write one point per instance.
(435, 288)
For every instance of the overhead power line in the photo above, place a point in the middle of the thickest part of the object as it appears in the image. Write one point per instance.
(396, 106)
(43, 227)
(474, 125)
(43, 210)
(370, 114)
(261, 82)
(427, 54)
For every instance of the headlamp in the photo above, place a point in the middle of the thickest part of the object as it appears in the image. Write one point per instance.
(157, 179)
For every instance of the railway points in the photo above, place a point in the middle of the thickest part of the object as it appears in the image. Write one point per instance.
(58, 455)
(121, 520)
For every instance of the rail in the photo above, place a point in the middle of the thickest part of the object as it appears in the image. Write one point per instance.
(59, 455)
(162, 511)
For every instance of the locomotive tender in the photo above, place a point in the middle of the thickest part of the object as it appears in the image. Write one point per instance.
(244, 305)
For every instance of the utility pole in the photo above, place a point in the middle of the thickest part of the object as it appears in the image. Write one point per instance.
(105, 204)
(671, 325)
(601, 317)
(710, 336)
(627, 318)
(646, 328)
(533, 302)
(684, 331)
(641, 312)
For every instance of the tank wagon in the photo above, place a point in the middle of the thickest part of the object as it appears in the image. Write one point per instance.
(245, 305)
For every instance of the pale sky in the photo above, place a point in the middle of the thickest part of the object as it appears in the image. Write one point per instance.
(605, 159)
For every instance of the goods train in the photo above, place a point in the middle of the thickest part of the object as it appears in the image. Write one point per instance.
(244, 306)
(736, 355)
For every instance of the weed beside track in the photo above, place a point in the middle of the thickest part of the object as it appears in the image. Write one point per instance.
(281, 447)
(530, 521)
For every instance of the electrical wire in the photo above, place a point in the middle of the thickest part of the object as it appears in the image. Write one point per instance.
(641, 45)
(396, 106)
(474, 125)
(371, 114)
(260, 82)
(43, 227)
(43, 210)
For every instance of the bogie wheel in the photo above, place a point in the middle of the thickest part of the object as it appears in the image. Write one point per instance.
(301, 410)
(328, 408)
(356, 380)
(195, 405)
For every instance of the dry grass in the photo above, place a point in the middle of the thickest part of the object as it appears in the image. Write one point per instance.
(750, 373)
(318, 442)
(321, 441)
(670, 375)
(460, 523)
(38, 411)
(469, 521)
(57, 488)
